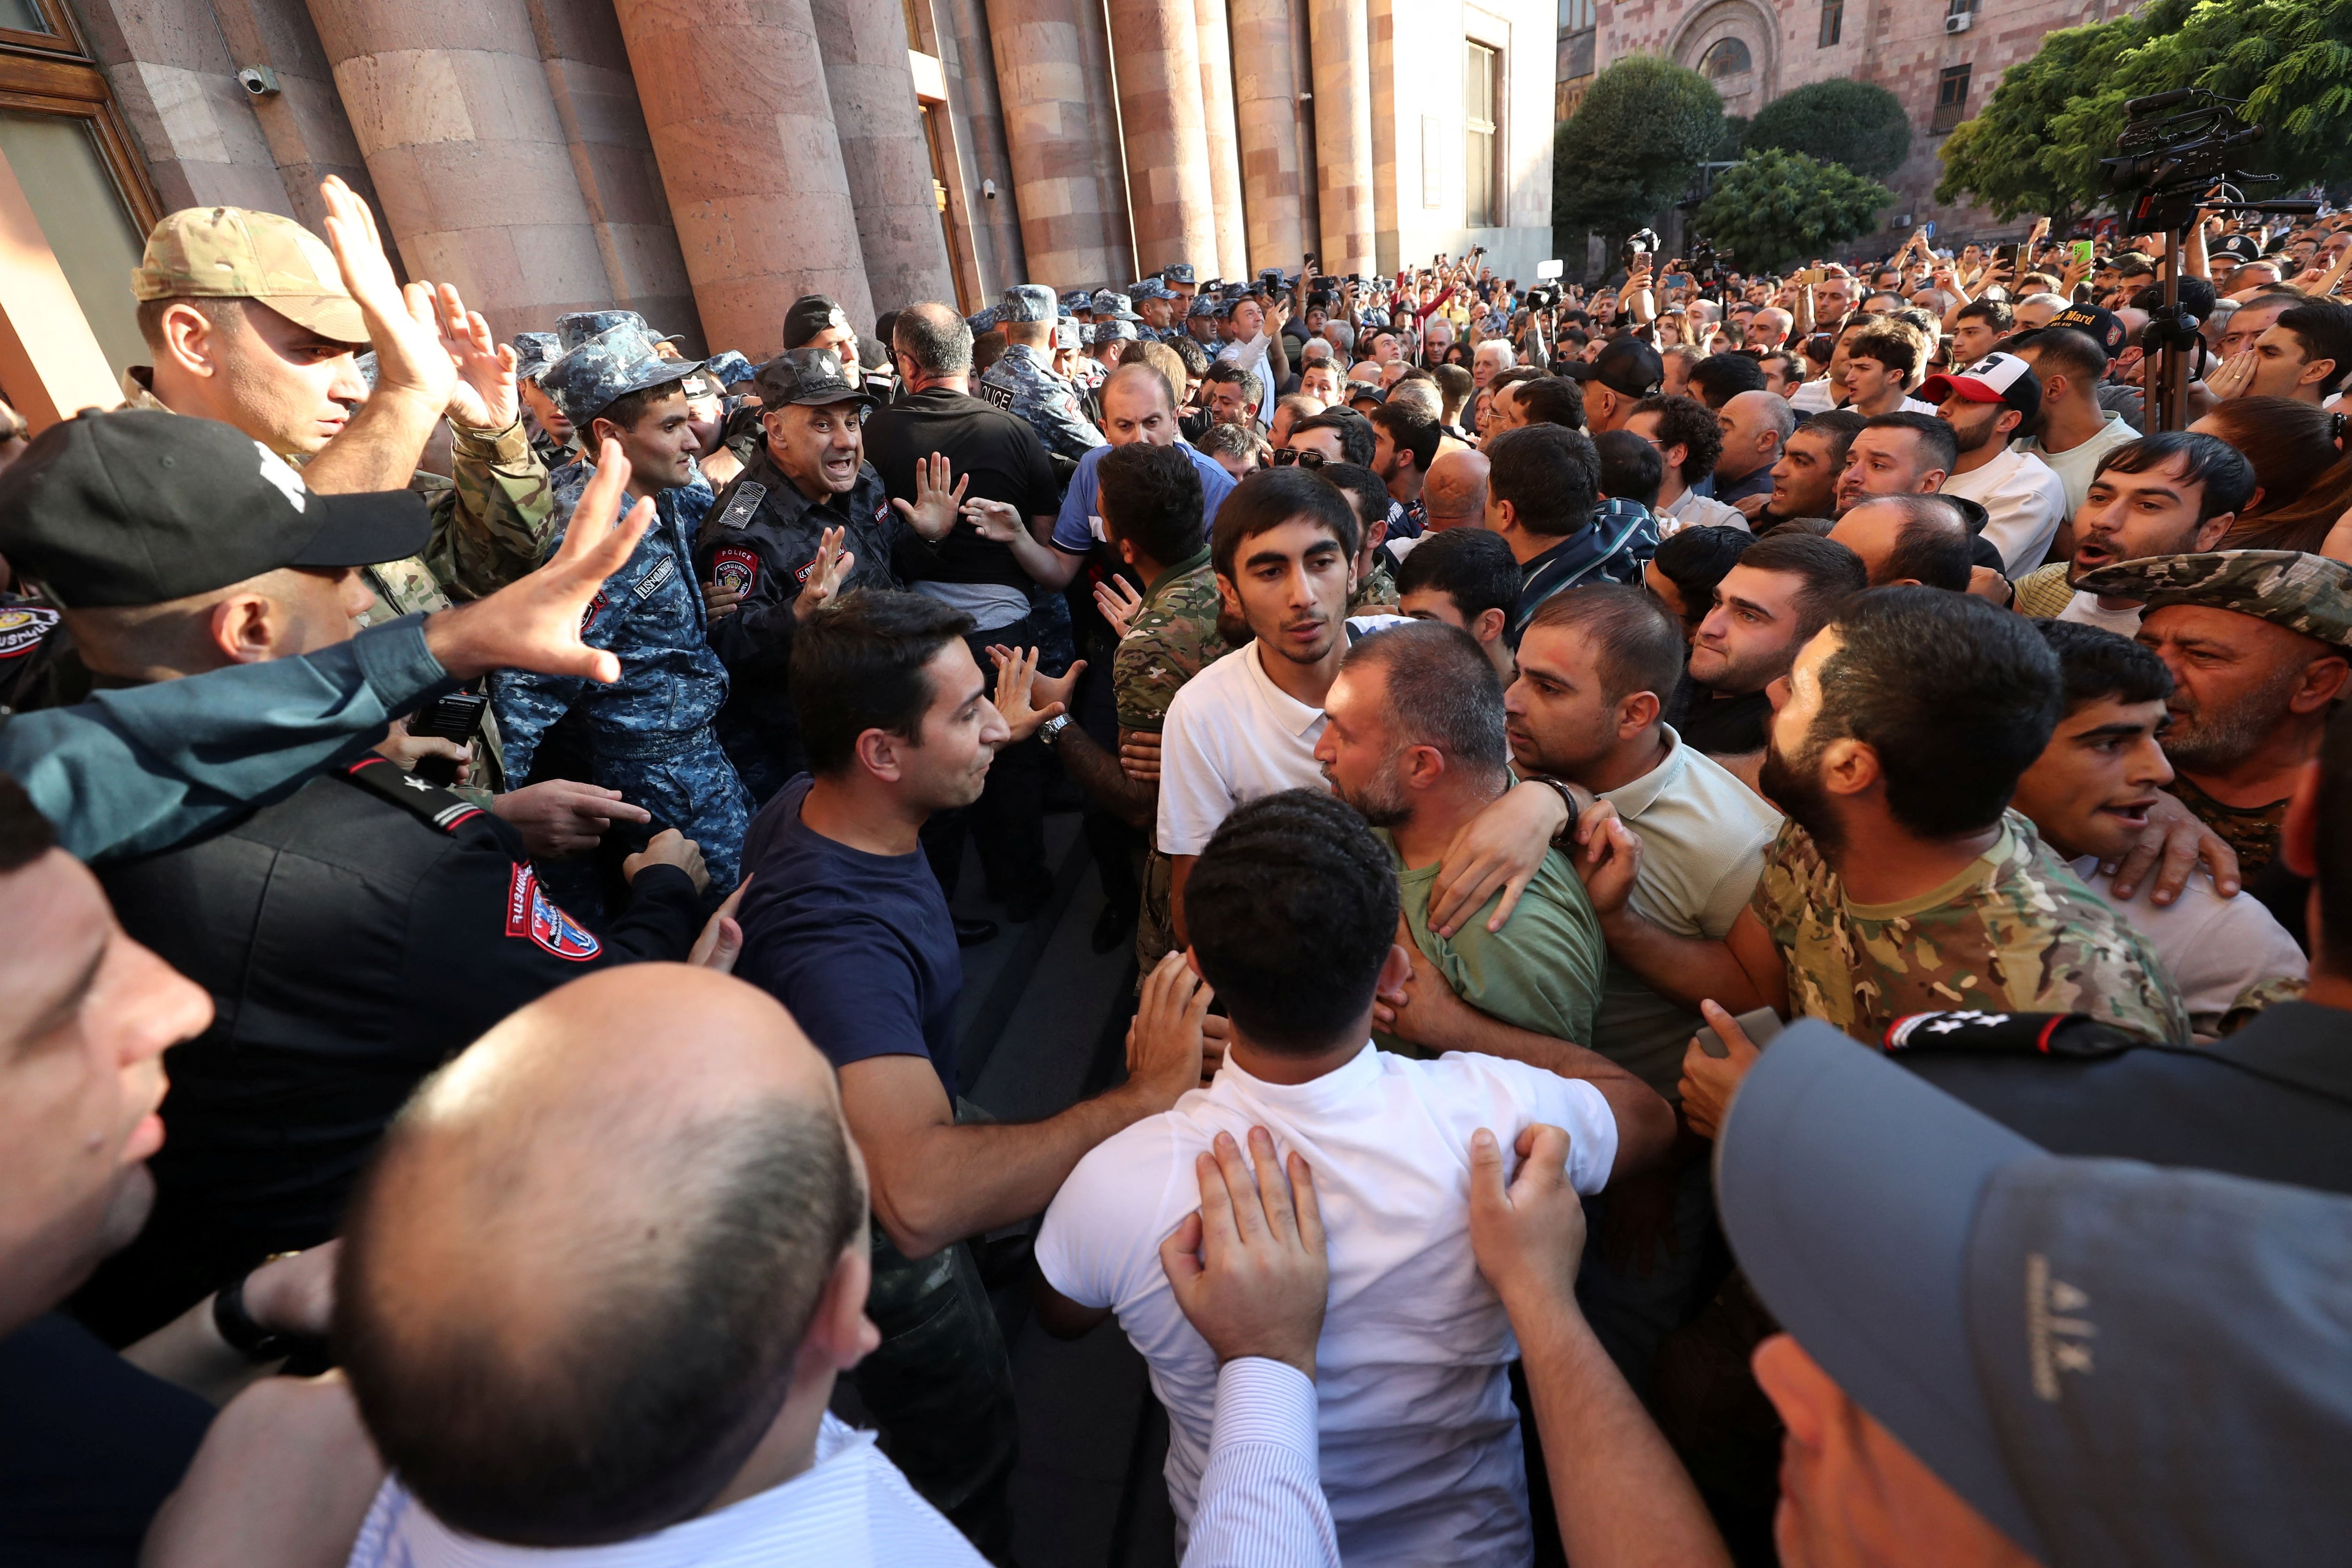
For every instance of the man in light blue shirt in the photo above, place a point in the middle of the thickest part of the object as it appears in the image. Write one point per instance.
(1138, 405)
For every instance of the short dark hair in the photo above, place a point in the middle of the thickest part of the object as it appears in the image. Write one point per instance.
(671, 1374)
(2077, 355)
(1356, 441)
(1892, 345)
(1550, 400)
(1442, 691)
(2323, 328)
(625, 410)
(25, 835)
(1549, 473)
(1956, 697)
(2095, 664)
(934, 337)
(1687, 423)
(1719, 378)
(1269, 498)
(1458, 384)
(1943, 445)
(1365, 492)
(1695, 560)
(1150, 496)
(1419, 437)
(857, 664)
(1195, 357)
(1932, 545)
(1252, 388)
(1994, 313)
(1292, 909)
(1831, 574)
(1469, 565)
(1630, 468)
(1637, 644)
(2227, 477)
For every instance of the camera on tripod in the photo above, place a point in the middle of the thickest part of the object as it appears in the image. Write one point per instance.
(1707, 265)
(2174, 155)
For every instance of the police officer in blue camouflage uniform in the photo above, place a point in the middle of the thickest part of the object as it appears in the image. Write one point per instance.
(1178, 277)
(761, 539)
(1112, 306)
(648, 733)
(1023, 383)
(1156, 304)
(1201, 322)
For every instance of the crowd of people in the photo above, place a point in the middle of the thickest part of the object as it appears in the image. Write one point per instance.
(1739, 886)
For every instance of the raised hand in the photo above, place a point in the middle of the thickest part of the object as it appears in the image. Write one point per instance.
(828, 570)
(933, 511)
(403, 324)
(1119, 603)
(1025, 698)
(484, 396)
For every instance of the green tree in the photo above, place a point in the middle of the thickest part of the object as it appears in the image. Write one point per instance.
(2036, 146)
(1775, 206)
(1858, 124)
(1629, 149)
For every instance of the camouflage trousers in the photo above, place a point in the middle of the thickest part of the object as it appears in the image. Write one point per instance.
(1155, 922)
(939, 1387)
(686, 781)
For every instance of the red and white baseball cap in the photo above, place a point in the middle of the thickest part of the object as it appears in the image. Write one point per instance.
(1996, 378)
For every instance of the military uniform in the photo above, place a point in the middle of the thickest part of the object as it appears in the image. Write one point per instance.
(1378, 588)
(2016, 932)
(1171, 638)
(1024, 385)
(2310, 595)
(649, 733)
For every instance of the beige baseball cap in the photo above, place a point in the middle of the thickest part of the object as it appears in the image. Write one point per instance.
(236, 253)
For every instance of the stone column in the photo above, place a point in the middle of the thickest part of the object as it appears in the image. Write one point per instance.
(1168, 189)
(1343, 131)
(450, 105)
(1224, 143)
(883, 151)
(970, 65)
(743, 126)
(1072, 232)
(1265, 116)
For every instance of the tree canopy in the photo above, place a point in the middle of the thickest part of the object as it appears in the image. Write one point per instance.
(2036, 147)
(1631, 147)
(1774, 207)
(1859, 125)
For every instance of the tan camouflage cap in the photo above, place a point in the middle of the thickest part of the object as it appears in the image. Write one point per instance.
(2306, 594)
(236, 253)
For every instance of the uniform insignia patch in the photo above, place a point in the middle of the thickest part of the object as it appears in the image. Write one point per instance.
(532, 914)
(22, 628)
(588, 615)
(735, 570)
(742, 504)
(650, 584)
(999, 395)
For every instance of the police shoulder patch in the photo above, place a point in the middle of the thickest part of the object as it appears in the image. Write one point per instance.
(534, 917)
(22, 628)
(742, 504)
(735, 570)
(382, 778)
(999, 395)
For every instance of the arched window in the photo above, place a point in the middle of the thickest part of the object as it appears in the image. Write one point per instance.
(1725, 57)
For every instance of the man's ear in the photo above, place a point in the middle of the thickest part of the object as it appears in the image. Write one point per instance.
(1489, 625)
(243, 627)
(1849, 766)
(879, 753)
(1395, 969)
(1636, 714)
(189, 340)
(1232, 601)
(2209, 532)
(839, 1332)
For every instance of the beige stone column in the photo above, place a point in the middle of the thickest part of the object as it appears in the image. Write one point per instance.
(1266, 118)
(1343, 131)
(1224, 142)
(735, 98)
(1169, 192)
(1073, 233)
(883, 150)
(970, 65)
(450, 105)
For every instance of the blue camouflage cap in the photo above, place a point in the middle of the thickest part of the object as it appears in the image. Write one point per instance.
(984, 321)
(1078, 299)
(1069, 334)
(1205, 305)
(577, 328)
(1177, 272)
(1151, 289)
(534, 352)
(1116, 306)
(729, 369)
(1116, 330)
(1028, 302)
(610, 366)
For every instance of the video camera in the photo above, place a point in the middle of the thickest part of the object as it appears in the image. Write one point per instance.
(2174, 157)
(1709, 266)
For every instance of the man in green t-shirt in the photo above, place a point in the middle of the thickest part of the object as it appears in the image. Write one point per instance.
(1415, 741)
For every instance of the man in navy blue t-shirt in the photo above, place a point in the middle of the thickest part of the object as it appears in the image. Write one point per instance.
(845, 925)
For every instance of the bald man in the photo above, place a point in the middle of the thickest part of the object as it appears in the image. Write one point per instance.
(1455, 491)
(600, 1284)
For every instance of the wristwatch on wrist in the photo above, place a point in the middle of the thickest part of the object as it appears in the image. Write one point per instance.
(1567, 834)
(237, 1326)
(1051, 729)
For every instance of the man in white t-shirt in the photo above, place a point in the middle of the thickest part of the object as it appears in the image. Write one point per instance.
(2024, 499)
(2075, 431)
(2174, 493)
(2089, 795)
(1296, 907)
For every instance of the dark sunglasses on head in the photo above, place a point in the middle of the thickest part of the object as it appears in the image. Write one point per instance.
(1286, 457)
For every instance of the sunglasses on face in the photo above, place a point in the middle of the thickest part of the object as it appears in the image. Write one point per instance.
(1287, 456)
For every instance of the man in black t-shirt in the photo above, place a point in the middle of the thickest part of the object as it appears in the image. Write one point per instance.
(1775, 598)
(984, 566)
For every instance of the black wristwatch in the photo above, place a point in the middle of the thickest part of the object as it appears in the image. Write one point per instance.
(1567, 834)
(237, 1325)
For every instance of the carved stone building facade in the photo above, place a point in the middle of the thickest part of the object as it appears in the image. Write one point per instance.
(706, 163)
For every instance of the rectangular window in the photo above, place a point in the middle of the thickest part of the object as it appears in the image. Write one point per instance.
(1951, 98)
(1832, 21)
(1478, 103)
(1575, 15)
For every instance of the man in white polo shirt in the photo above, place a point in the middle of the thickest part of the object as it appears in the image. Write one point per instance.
(1297, 904)
(1987, 406)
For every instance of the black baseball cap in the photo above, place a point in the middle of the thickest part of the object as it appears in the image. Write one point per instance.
(811, 314)
(142, 507)
(2101, 326)
(2111, 1362)
(808, 376)
(1627, 367)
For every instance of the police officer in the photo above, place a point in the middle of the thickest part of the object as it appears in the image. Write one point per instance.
(649, 734)
(354, 934)
(1178, 275)
(760, 546)
(1155, 303)
(818, 321)
(1024, 383)
(1201, 322)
